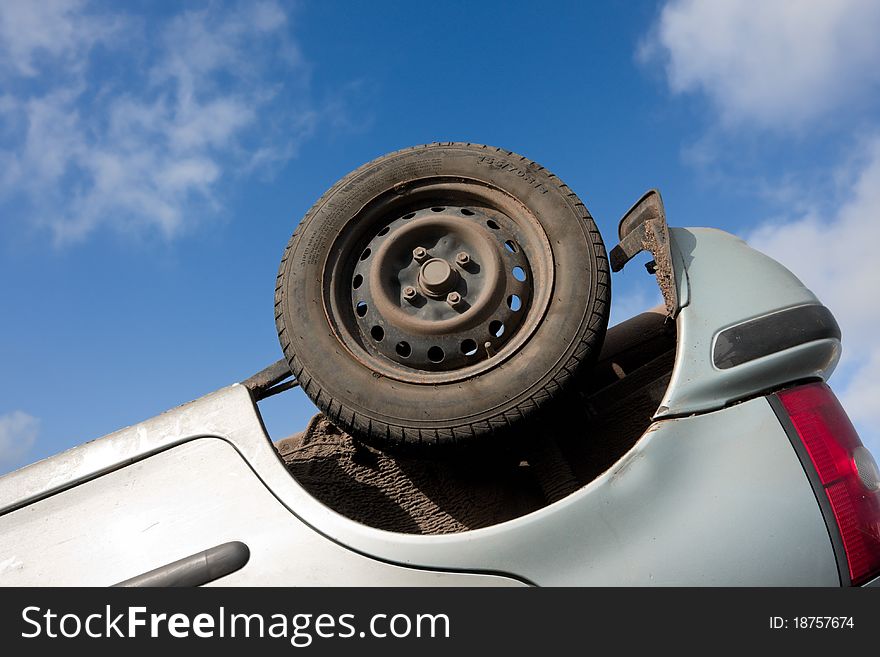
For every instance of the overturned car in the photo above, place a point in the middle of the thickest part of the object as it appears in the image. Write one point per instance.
(445, 307)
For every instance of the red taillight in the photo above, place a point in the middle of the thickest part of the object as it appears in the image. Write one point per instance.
(847, 472)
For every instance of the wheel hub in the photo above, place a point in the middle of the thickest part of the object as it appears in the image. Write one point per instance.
(437, 278)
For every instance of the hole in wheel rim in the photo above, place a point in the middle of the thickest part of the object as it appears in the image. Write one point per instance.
(469, 347)
(384, 231)
(511, 246)
(467, 213)
(403, 349)
(438, 209)
(361, 308)
(491, 224)
(365, 254)
(377, 333)
(357, 281)
(514, 302)
(496, 328)
(519, 274)
(436, 355)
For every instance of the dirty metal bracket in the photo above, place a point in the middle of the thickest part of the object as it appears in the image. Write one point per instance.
(644, 228)
(271, 380)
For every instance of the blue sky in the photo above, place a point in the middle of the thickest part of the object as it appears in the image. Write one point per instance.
(155, 158)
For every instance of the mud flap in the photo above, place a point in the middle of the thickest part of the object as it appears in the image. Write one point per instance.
(644, 228)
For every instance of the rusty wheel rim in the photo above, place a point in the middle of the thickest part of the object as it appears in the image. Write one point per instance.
(439, 281)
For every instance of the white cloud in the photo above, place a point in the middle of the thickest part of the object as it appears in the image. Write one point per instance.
(53, 29)
(18, 433)
(775, 63)
(834, 252)
(139, 134)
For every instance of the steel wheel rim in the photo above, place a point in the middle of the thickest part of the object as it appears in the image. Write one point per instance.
(479, 243)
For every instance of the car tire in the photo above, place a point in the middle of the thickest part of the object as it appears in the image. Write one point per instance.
(399, 304)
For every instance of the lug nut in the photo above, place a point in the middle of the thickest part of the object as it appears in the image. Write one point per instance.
(453, 299)
(462, 258)
(409, 293)
(419, 253)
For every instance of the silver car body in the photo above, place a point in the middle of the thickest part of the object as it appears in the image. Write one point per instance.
(713, 493)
